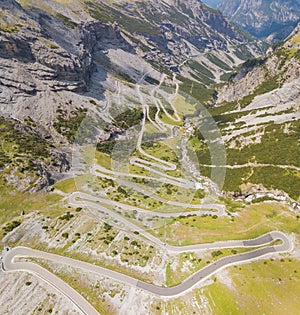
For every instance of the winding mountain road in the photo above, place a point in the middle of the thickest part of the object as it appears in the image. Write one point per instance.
(212, 268)
(80, 199)
(99, 170)
(9, 264)
(91, 203)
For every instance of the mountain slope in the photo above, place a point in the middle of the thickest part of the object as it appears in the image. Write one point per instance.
(258, 114)
(170, 33)
(274, 18)
(61, 60)
(54, 47)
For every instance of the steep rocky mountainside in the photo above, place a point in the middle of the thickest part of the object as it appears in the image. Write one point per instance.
(258, 114)
(280, 65)
(47, 51)
(62, 61)
(273, 18)
(46, 64)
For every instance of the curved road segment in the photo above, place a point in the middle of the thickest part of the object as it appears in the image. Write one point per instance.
(82, 199)
(89, 201)
(9, 264)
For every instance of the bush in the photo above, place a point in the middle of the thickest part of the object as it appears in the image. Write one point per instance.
(128, 119)
(106, 227)
(106, 146)
(67, 216)
(216, 253)
(11, 226)
(253, 62)
(10, 28)
(65, 235)
(152, 80)
(69, 127)
(67, 21)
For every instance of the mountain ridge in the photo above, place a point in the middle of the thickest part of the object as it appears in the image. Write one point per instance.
(273, 19)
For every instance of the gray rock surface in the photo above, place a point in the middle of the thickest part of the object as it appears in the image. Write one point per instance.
(273, 18)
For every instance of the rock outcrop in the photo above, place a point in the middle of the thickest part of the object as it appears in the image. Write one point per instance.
(280, 65)
(273, 18)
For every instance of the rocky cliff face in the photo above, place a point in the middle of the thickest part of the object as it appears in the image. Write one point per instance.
(178, 29)
(43, 54)
(279, 66)
(46, 48)
(61, 62)
(273, 18)
(46, 63)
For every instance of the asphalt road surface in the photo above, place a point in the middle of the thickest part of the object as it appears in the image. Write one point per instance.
(9, 264)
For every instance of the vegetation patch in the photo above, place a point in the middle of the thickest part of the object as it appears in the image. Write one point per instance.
(68, 124)
(253, 220)
(199, 91)
(18, 143)
(106, 14)
(21, 150)
(151, 80)
(11, 226)
(67, 21)
(276, 178)
(215, 60)
(274, 139)
(9, 28)
(128, 119)
(243, 53)
(202, 73)
(106, 147)
(264, 287)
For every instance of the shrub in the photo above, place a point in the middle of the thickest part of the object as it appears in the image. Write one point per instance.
(65, 235)
(67, 216)
(216, 253)
(106, 227)
(11, 226)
